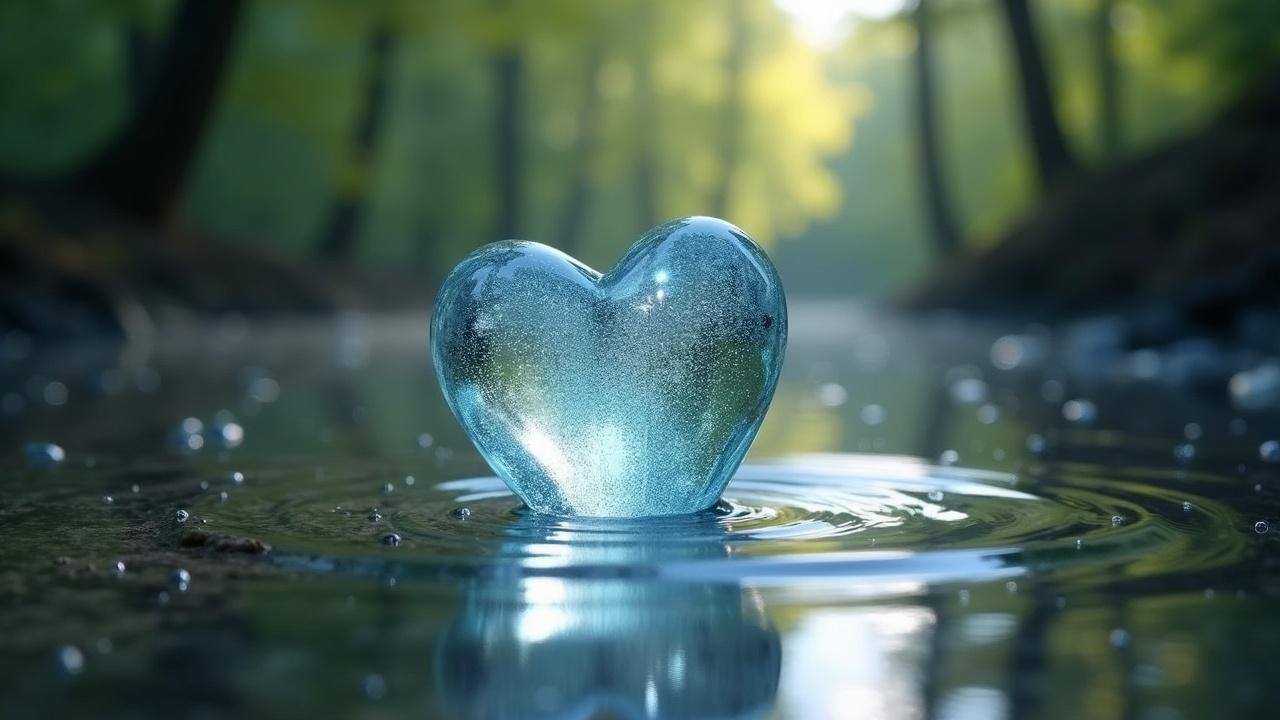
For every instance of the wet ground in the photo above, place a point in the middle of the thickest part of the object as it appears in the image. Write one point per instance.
(935, 522)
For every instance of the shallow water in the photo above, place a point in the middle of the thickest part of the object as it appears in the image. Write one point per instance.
(927, 527)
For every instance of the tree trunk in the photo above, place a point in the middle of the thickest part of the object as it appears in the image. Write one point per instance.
(732, 111)
(1108, 81)
(141, 171)
(577, 198)
(1053, 157)
(946, 238)
(508, 76)
(339, 239)
(646, 169)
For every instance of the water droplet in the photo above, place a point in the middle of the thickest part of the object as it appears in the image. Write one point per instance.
(1117, 520)
(1192, 431)
(964, 597)
(1269, 451)
(873, 414)
(409, 480)
(1011, 587)
(1079, 543)
(390, 539)
(1119, 638)
(204, 484)
(237, 477)
(935, 495)
(104, 646)
(375, 516)
(162, 598)
(388, 488)
(462, 513)
(988, 414)
(1238, 426)
(1186, 506)
(424, 441)
(1209, 593)
(949, 457)
(118, 568)
(188, 436)
(968, 390)
(1060, 602)
(182, 516)
(222, 496)
(1052, 391)
(375, 686)
(1035, 443)
(264, 390)
(832, 395)
(1184, 452)
(70, 659)
(1079, 411)
(1261, 527)
(45, 455)
(55, 394)
(228, 434)
(180, 580)
(108, 500)
(135, 488)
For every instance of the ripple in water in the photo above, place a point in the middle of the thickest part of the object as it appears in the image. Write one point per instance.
(816, 517)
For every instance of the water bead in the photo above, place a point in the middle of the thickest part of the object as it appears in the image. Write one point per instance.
(632, 393)
(1269, 451)
(1261, 527)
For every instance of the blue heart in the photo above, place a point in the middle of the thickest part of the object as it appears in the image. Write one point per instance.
(627, 394)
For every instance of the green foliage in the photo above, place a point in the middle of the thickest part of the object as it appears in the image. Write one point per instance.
(820, 160)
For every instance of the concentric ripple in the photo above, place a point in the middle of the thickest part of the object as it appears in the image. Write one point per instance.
(815, 517)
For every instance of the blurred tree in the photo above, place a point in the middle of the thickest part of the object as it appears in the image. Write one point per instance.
(732, 110)
(1054, 160)
(508, 118)
(946, 236)
(646, 114)
(577, 196)
(338, 240)
(1108, 80)
(142, 170)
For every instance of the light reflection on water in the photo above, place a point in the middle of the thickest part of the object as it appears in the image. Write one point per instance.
(849, 573)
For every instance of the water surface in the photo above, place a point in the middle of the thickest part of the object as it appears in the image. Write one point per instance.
(933, 523)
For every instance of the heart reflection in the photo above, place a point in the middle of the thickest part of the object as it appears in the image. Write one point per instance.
(632, 647)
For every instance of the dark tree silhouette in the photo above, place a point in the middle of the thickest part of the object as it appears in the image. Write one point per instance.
(732, 112)
(577, 199)
(646, 168)
(508, 107)
(1054, 160)
(142, 169)
(338, 240)
(1108, 81)
(946, 237)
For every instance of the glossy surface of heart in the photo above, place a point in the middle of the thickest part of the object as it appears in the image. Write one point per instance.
(630, 394)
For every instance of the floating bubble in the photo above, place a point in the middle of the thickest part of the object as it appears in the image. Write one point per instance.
(375, 686)
(45, 455)
(1261, 527)
(832, 395)
(1080, 411)
(70, 659)
(873, 414)
(182, 516)
(180, 580)
(1184, 452)
(1269, 451)
(390, 539)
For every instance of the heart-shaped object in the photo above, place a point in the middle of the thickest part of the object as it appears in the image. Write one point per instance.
(627, 394)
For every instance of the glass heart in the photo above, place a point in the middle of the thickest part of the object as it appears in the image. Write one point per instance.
(627, 394)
